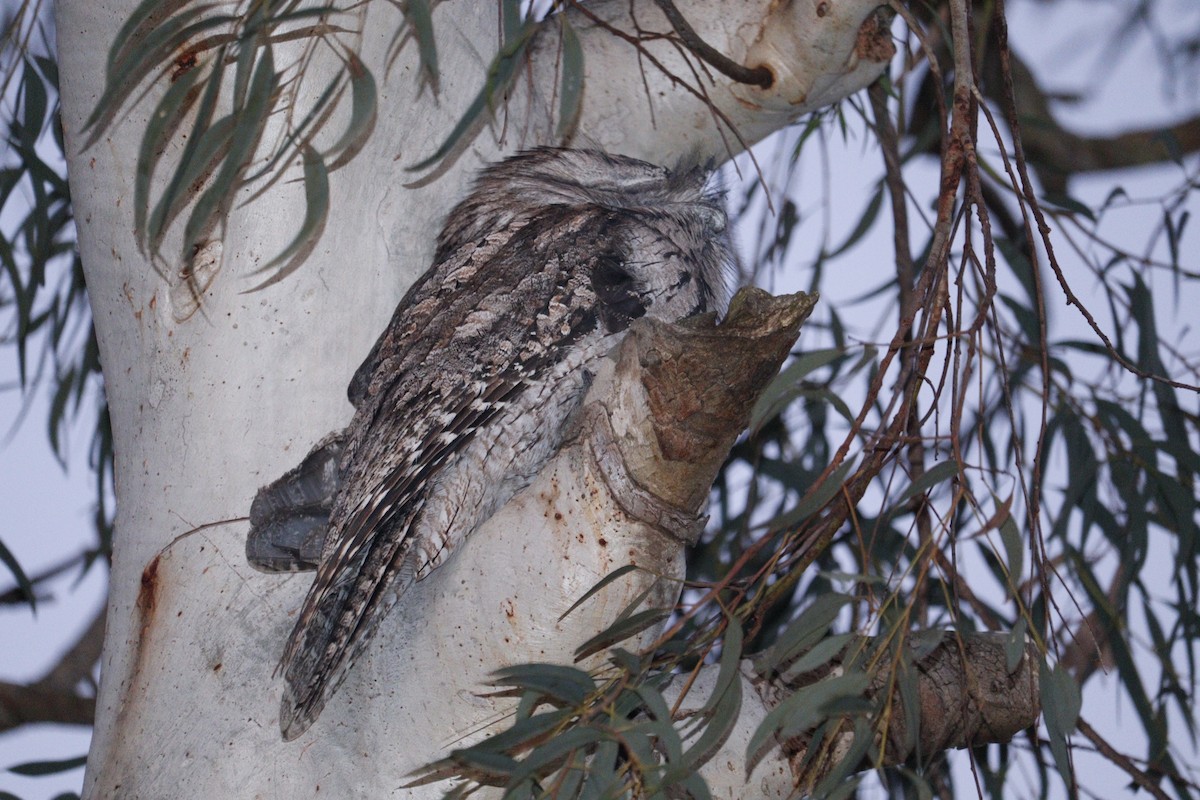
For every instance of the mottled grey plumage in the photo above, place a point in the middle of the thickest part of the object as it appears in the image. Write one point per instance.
(289, 519)
(463, 398)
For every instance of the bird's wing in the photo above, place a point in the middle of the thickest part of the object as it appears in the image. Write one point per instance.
(413, 419)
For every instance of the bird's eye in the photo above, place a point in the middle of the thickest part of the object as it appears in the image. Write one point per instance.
(617, 301)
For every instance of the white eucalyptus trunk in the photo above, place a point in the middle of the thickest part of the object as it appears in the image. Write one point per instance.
(209, 406)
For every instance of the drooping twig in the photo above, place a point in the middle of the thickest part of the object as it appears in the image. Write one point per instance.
(755, 76)
(1138, 776)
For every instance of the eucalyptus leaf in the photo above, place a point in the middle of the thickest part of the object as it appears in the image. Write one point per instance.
(316, 212)
(1061, 702)
(555, 681)
(1014, 550)
(600, 584)
(33, 101)
(939, 473)
(419, 17)
(821, 653)
(808, 628)
(38, 768)
(814, 499)
(18, 574)
(869, 215)
(243, 139)
(165, 119)
(201, 144)
(528, 730)
(570, 88)
(621, 630)
(1015, 645)
(723, 715)
(783, 387)
(548, 753)
(132, 70)
(728, 672)
(364, 98)
(499, 78)
(802, 710)
(486, 761)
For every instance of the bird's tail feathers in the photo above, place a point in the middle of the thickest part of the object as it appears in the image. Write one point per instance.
(321, 653)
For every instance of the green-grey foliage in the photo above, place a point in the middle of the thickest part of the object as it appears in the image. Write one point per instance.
(224, 85)
(47, 320)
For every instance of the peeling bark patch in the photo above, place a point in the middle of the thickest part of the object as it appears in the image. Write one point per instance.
(875, 39)
(697, 389)
(193, 281)
(183, 64)
(700, 379)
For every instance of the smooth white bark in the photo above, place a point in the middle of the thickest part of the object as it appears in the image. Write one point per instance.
(208, 406)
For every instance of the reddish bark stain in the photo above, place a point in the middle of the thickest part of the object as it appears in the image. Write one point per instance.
(148, 590)
(183, 64)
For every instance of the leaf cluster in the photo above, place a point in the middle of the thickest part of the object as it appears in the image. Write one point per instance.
(225, 89)
(237, 113)
(47, 319)
(576, 736)
(1032, 474)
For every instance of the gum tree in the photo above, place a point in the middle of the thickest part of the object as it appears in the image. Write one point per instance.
(223, 161)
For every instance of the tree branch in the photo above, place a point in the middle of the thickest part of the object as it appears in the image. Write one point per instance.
(1123, 761)
(964, 693)
(755, 76)
(965, 696)
(1058, 154)
(54, 698)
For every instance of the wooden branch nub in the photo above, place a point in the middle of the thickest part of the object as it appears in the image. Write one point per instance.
(964, 691)
(680, 397)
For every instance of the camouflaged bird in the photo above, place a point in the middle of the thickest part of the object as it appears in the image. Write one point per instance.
(537, 275)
